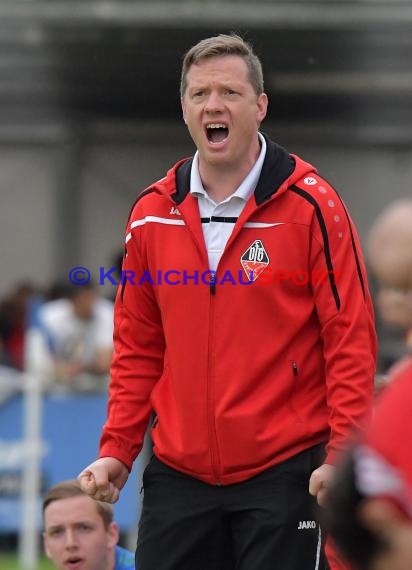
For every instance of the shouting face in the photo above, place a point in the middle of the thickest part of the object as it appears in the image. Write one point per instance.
(75, 536)
(223, 112)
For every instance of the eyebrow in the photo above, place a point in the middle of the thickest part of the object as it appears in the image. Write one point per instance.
(53, 527)
(235, 85)
(77, 523)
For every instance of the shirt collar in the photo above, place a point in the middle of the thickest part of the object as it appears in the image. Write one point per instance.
(247, 186)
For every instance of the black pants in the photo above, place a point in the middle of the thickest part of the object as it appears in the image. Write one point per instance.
(268, 522)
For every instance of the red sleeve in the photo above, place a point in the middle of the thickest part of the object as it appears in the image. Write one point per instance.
(139, 348)
(333, 556)
(392, 417)
(345, 313)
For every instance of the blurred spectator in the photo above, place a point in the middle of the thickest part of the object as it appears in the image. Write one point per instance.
(13, 313)
(370, 501)
(80, 533)
(4, 357)
(79, 330)
(57, 290)
(390, 256)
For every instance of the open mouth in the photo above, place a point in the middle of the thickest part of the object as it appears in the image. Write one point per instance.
(73, 562)
(216, 132)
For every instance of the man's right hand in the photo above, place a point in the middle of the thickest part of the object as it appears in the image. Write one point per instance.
(104, 478)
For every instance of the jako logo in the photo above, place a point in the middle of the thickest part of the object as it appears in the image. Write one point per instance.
(306, 524)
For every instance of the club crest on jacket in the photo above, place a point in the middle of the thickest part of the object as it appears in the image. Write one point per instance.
(254, 260)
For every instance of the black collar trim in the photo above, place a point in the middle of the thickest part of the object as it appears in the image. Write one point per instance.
(277, 167)
(182, 181)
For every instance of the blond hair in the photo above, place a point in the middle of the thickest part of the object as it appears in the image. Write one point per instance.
(218, 46)
(71, 488)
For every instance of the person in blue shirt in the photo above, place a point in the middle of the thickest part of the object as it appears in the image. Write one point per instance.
(80, 533)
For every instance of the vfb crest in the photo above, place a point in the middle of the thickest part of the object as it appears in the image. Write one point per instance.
(254, 260)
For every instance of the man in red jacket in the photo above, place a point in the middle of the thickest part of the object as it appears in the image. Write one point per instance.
(244, 323)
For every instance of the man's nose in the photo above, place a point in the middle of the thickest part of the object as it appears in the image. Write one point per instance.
(71, 538)
(214, 102)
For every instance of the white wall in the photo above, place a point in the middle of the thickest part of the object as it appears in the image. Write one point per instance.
(113, 178)
(26, 204)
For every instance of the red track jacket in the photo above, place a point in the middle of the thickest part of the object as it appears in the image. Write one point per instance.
(274, 356)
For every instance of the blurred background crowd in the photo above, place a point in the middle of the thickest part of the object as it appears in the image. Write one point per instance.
(90, 115)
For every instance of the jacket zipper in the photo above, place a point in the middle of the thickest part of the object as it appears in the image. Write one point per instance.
(210, 411)
(213, 284)
(214, 450)
(295, 368)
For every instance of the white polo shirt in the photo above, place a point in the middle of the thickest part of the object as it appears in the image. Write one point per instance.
(218, 220)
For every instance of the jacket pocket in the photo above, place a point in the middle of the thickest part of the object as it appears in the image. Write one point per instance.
(295, 378)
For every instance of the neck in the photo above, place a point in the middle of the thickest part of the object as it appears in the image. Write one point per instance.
(222, 182)
(111, 561)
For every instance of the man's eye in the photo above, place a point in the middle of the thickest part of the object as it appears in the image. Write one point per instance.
(198, 93)
(85, 528)
(55, 533)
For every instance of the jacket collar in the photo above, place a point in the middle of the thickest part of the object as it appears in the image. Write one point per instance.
(277, 168)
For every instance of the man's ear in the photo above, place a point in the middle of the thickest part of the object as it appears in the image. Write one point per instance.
(262, 107)
(113, 534)
(380, 516)
(183, 110)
